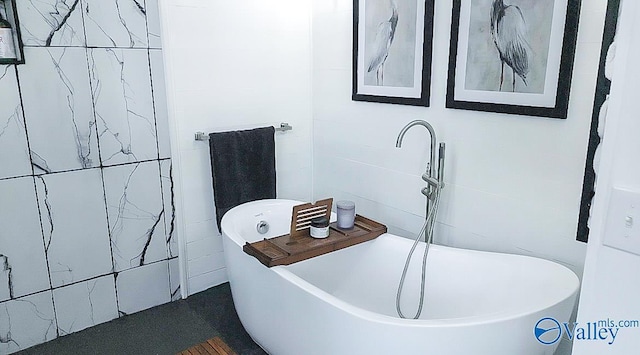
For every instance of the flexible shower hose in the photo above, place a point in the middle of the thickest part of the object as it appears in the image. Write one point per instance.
(427, 230)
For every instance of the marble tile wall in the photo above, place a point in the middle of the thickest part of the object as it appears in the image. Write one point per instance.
(87, 226)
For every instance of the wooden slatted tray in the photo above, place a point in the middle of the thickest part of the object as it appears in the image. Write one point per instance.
(214, 346)
(287, 249)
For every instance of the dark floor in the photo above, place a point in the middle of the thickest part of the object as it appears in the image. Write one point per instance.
(165, 329)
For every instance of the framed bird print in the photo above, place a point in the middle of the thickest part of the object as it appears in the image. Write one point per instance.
(512, 56)
(392, 51)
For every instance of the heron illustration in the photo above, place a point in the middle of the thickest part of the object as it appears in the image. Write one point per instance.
(508, 30)
(384, 38)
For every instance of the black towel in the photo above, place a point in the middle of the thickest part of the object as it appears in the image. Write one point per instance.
(243, 167)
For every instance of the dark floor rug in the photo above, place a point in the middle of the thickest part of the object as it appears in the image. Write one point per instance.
(166, 329)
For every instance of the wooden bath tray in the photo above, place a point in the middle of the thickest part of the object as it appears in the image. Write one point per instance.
(285, 249)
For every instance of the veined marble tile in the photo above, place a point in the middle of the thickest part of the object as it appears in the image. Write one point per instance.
(85, 304)
(169, 207)
(143, 287)
(136, 214)
(58, 109)
(14, 153)
(74, 221)
(26, 322)
(23, 265)
(160, 103)
(51, 23)
(174, 279)
(116, 23)
(153, 24)
(121, 84)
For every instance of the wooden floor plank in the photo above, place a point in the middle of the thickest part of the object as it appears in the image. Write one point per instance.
(213, 346)
(202, 350)
(221, 347)
(209, 348)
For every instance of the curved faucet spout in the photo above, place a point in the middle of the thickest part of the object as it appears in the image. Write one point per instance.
(431, 169)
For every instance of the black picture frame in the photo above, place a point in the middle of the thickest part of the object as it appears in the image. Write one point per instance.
(537, 95)
(9, 11)
(402, 89)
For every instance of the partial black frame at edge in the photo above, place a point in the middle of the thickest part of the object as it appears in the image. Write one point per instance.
(564, 79)
(427, 48)
(603, 85)
(12, 16)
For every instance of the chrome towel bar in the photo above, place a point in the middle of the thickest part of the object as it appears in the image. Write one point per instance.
(201, 136)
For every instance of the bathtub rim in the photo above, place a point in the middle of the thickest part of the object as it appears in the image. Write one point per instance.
(324, 296)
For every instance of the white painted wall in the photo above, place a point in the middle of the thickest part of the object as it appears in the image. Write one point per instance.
(513, 182)
(611, 283)
(233, 65)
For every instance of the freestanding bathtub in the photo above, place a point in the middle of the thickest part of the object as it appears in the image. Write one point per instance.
(344, 302)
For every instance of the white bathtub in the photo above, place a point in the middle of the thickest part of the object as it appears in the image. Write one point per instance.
(344, 302)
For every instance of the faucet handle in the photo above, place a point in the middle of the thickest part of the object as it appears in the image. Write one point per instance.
(431, 181)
